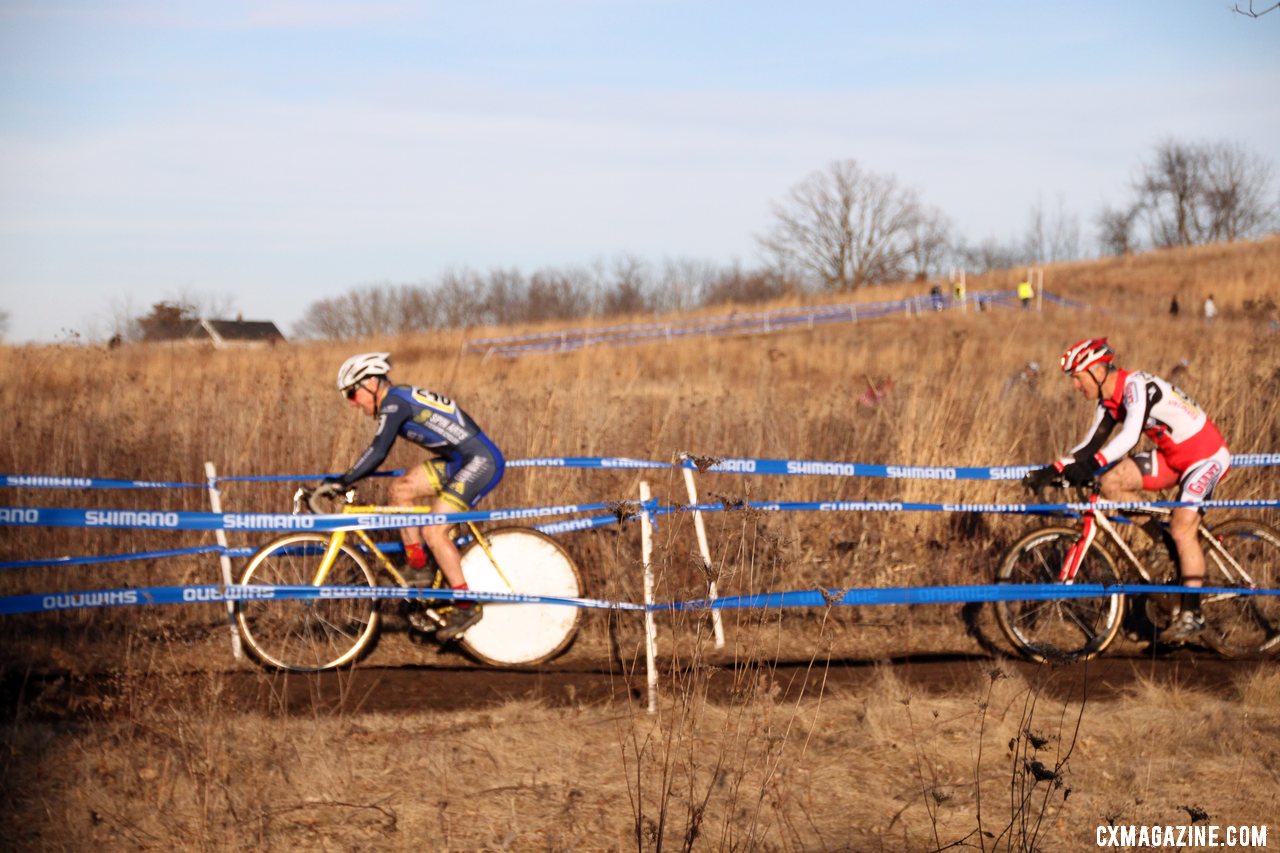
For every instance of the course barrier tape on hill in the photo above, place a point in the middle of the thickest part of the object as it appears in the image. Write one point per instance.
(775, 320)
(847, 597)
(709, 464)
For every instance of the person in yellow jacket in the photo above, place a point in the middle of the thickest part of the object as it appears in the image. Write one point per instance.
(1025, 293)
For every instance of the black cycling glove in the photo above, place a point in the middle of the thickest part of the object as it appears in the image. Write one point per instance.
(1038, 478)
(1079, 473)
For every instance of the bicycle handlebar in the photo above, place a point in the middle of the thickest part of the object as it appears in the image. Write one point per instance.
(1082, 492)
(313, 502)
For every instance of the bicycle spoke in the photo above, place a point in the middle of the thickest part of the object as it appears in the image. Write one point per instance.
(307, 635)
(1243, 553)
(1063, 628)
(1084, 623)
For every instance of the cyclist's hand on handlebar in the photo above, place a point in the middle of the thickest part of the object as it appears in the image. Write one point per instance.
(1036, 480)
(328, 490)
(1079, 473)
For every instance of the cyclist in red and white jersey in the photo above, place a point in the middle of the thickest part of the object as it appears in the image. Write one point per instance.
(1190, 451)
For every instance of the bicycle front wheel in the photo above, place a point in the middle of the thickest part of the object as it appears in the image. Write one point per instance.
(307, 635)
(1242, 624)
(1058, 629)
(525, 562)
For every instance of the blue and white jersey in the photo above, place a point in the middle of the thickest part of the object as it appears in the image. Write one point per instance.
(429, 420)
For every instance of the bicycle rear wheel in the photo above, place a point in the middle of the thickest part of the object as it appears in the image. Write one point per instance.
(1243, 624)
(307, 635)
(1059, 629)
(528, 563)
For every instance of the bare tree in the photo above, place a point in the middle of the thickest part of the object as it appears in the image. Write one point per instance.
(1236, 184)
(1255, 13)
(1170, 187)
(1052, 236)
(627, 291)
(552, 294)
(930, 242)
(990, 255)
(1201, 193)
(1115, 230)
(683, 283)
(381, 309)
(746, 286)
(846, 226)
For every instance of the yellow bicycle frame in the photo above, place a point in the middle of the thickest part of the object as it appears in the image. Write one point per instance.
(339, 537)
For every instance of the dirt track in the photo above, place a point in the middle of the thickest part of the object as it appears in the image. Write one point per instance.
(415, 688)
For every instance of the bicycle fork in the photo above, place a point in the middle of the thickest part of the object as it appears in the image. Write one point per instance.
(1075, 554)
(1074, 558)
(330, 555)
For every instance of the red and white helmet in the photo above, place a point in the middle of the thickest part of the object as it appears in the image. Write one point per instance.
(360, 367)
(1083, 355)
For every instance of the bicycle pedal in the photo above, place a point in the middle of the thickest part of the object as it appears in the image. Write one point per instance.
(458, 620)
(423, 619)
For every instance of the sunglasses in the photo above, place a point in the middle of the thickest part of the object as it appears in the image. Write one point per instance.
(350, 393)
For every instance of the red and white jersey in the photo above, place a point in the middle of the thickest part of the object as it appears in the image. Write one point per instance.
(1143, 403)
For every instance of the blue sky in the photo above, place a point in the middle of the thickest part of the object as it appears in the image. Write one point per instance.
(273, 153)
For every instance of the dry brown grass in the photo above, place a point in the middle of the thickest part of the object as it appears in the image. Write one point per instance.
(889, 767)
(882, 767)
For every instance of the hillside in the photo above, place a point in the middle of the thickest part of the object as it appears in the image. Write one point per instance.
(894, 728)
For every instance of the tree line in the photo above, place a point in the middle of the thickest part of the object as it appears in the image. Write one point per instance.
(628, 285)
(841, 228)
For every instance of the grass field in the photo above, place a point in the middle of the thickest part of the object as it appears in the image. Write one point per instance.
(881, 766)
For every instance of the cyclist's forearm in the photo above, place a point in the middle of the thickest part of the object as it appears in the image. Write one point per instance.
(1125, 440)
(1085, 451)
(364, 466)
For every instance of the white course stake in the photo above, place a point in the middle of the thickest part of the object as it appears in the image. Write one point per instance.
(215, 503)
(650, 628)
(717, 624)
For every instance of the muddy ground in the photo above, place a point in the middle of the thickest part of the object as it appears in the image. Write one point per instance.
(410, 688)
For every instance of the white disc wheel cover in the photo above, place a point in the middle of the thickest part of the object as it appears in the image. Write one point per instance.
(531, 564)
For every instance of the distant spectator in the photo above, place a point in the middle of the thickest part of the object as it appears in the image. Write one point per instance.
(1181, 372)
(1210, 309)
(1025, 293)
(1173, 306)
(935, 293)
(1027, 379)
(875, 394)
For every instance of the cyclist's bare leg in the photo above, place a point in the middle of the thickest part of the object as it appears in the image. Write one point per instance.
(1184, 527)
(442, 547)
(1123, 482)
(412, 488)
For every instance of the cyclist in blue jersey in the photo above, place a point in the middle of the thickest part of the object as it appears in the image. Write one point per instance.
(466, 466)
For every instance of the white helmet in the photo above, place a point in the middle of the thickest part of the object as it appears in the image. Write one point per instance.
(360, 367)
